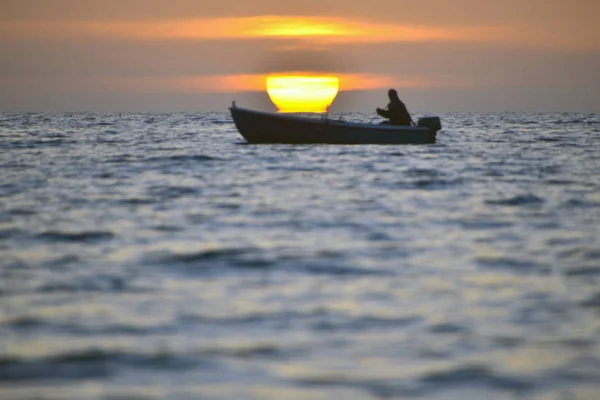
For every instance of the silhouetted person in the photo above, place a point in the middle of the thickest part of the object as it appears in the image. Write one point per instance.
(396, 111)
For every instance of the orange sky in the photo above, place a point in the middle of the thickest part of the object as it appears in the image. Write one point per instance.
(151, 55)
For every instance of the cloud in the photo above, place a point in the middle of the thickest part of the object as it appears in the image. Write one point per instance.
(325, 30)
(224, 83)
(312, 30)
(250, 82)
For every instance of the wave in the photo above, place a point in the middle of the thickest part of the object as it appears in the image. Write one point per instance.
(341, 270)
(475, 374)
(185, 158)
(38, 324)
(349, 324)
(207, 259)
(583, 271)
(592, 302)
(253, 258)
(172, 192)
(519, 200)
(448, 328)
(88, 364)
(429, 383)
(514, 264)
(83, 236)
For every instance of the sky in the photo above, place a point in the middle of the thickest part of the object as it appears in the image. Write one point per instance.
(199, 55)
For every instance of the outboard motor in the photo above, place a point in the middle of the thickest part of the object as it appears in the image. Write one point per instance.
(432, 123)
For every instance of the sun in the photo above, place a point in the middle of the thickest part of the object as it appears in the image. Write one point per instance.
(302, 93)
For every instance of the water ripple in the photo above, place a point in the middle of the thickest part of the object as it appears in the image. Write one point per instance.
(152, 256)
(84, 236)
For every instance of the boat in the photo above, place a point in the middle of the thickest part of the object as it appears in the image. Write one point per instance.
(263, 127)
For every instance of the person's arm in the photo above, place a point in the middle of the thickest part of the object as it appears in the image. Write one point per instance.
(383, 113)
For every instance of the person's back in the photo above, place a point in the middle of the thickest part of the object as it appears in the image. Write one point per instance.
(398, 113)
(396, 110)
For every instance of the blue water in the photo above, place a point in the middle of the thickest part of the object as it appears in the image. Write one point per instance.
(157, 256)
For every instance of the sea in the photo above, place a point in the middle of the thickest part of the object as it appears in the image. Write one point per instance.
(159, 256)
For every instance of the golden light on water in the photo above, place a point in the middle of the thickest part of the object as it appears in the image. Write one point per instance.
(302, 93)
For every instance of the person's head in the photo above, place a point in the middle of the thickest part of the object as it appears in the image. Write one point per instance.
(392, 94)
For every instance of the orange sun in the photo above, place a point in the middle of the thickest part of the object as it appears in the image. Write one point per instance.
(302, 93)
